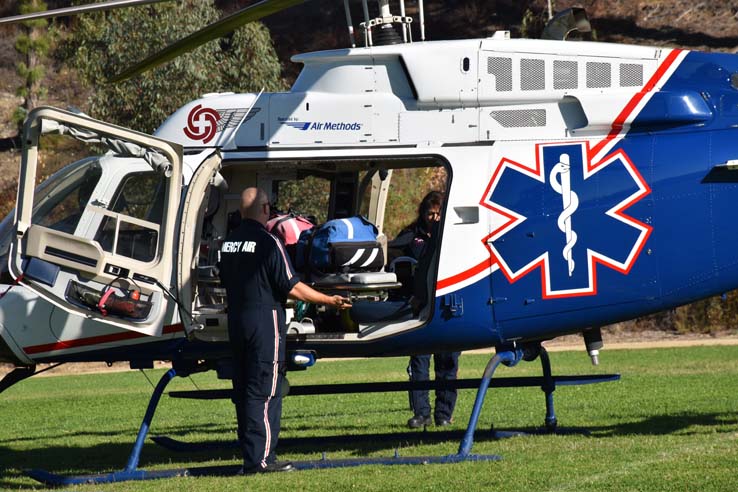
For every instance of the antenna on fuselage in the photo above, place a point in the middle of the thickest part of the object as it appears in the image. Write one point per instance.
(350, 23)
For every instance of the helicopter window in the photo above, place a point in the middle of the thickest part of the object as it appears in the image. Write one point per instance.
(63, 199)
(465, 64)
(566, 75)
(291, 195)
(406, 190)
(631, 75)
(532, 75)
(140, 196)
(501, 68)
(598, 75)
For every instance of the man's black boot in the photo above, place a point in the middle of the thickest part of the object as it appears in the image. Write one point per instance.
(419, 421)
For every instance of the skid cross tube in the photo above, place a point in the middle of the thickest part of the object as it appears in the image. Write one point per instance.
(508, 357)
(548, 387)
(146, 424)
(390, 386)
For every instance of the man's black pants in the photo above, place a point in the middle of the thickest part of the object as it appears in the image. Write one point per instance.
(257, 336)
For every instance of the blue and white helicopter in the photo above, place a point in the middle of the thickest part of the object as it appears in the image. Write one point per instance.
(582, 180)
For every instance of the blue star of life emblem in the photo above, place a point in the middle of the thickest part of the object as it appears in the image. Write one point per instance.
(566, 215)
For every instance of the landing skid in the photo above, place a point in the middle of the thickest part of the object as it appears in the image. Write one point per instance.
(508, 357)
(233, 470)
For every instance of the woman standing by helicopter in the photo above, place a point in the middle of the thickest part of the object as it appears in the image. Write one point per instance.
(417, 241)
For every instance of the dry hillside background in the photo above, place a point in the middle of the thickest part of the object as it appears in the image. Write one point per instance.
(708, 25)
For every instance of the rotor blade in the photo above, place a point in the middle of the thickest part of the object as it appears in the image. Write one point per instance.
(80, 9)
(215, 30)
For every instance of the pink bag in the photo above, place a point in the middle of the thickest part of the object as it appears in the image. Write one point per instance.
(288, 227)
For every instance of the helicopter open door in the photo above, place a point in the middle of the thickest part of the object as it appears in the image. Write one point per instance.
(105, 253)
(201, 200)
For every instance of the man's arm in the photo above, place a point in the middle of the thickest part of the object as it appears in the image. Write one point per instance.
(303, 292)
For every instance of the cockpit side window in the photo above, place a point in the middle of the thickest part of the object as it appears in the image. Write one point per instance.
(60, 202)
(140, 196)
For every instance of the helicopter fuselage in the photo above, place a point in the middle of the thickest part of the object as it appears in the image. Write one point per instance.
(586, 184)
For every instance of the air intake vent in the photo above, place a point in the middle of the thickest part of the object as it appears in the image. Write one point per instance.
(631, 75)
(532, 75)
(566, 75)
(520, 118)
(599, 75)
(501, 68)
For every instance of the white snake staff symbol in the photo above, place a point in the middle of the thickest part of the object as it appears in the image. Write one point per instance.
(570, 204)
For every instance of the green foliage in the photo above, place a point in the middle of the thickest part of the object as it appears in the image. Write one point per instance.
(103, 45)
(309, 196)
(33, 44)
(532, 24)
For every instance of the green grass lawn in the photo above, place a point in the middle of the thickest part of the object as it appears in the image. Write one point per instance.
(670, 424)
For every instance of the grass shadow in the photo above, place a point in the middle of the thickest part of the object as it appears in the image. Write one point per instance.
(106, 457)
(659, 425)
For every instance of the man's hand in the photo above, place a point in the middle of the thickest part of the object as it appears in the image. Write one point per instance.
(341, 302)
(303, 292)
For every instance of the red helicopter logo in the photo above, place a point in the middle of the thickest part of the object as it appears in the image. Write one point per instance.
(202, 123)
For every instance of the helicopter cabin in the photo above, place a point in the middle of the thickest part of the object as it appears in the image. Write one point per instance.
(105, 237)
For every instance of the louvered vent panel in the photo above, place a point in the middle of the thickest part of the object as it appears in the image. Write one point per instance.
(599, 75)
(566, 75)
(520, 118)
(631, 75)
(501, 68)
(532, 74)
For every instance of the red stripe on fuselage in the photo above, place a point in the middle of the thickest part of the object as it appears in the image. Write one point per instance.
(619, 122)
(85, 342)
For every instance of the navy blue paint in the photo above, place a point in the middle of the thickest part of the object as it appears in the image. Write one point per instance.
(693, 249)
(475, 329)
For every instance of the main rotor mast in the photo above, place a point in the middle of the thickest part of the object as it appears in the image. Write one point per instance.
(385, 22)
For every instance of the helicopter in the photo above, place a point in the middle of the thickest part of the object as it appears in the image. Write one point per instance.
(581, 180)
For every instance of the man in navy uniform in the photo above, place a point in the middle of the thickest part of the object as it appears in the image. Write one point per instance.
(258, 278)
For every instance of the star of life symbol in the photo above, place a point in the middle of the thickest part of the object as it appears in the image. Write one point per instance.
(566, 215)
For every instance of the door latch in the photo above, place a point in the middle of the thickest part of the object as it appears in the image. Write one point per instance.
(453, 306)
